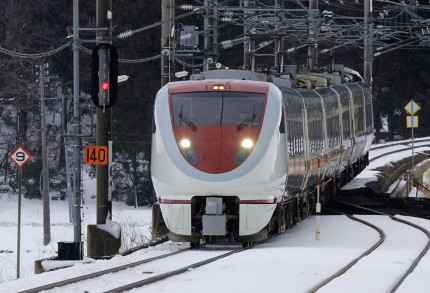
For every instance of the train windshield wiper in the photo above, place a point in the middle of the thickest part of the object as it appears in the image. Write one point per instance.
(187, 122)
(246, 122)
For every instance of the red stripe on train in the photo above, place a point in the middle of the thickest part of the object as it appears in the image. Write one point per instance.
(244, 201)
(175, 201)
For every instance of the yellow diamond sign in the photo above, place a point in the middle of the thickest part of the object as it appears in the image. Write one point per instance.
(412, 107)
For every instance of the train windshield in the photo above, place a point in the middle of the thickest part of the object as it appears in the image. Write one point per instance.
(238, 109)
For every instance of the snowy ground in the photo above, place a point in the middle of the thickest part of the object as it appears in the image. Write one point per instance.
(292, 262)
(136, 222)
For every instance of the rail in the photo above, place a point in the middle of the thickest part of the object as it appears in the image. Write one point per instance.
(411, 268)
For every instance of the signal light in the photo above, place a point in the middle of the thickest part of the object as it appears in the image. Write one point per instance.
(104, 82)
(104, 86)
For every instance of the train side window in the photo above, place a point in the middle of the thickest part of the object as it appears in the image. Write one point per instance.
(282, 124)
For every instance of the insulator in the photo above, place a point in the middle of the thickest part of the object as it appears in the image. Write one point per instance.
(227, 44)
(126, 34)
(226, 19)
(186, 7)
(185, 36)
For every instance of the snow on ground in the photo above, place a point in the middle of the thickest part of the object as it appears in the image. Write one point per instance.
(292, 262)
(369, 174)
(416, 282)
(135, 222)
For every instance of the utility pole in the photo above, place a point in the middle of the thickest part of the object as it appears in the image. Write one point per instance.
(368, 40)
(312, 31)
(76, 211)
(279, 42)
(249, 44)
(103, 127)
(45, 166)
(167, 12)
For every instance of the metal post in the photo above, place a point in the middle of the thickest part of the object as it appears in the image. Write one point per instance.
(66, 154)
(18, 249)
(110, 166)
(247, 43)
(412, 136)
(215, 30)
(318, 206)
(103, 126)
(76, 128)
(368, 37)
(411, 175)
(279, 42)
(45, 168)
(167, 12)
(408, 183)
(68, 180)
(206, 26)
(312, 49)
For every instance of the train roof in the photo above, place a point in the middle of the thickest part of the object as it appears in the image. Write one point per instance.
(293, 78)
(231, 74)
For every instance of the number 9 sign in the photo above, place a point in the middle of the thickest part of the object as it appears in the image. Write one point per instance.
(20, 156)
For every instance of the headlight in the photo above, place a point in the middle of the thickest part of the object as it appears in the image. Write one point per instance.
(244, 150)
(187, 151)
(247, 143)
(185, 143)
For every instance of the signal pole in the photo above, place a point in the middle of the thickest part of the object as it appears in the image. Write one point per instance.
(103, 127)
(101, 243)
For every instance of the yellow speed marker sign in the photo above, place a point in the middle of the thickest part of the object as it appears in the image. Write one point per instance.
(412, 107)
(411, 121)
(96, 155)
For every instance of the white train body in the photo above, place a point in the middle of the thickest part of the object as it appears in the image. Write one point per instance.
(220, 157)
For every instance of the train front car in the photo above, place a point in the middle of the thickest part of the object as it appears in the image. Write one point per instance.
(218, 158)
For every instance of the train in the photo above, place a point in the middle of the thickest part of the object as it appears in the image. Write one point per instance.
(240, 155)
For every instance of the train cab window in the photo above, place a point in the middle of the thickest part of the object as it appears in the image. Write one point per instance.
(238, 109)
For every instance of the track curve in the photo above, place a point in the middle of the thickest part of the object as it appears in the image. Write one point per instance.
(404, 246)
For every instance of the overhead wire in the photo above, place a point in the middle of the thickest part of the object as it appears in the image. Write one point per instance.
(238, 19)
(34, 56)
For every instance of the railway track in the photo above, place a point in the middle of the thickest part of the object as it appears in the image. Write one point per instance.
(389, 188)
(176, 271)
(98, 273)
(144, 272)
(357, 265)
(386, 148)
(258, 265)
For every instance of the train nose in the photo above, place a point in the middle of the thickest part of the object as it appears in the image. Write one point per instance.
(217, 150)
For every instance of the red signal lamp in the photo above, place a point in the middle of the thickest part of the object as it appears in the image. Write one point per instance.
(104, 85)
